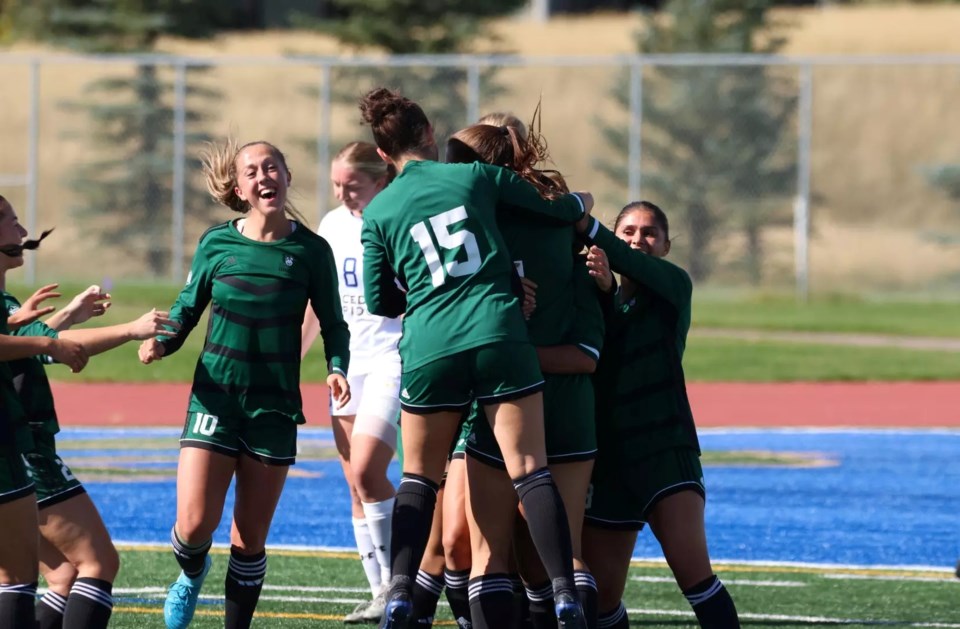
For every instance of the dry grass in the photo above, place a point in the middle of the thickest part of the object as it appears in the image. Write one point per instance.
(874, 128)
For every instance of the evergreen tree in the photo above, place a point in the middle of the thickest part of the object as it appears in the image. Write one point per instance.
(716, 140)
(124, 190)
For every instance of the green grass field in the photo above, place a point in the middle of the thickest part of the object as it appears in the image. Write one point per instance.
(315, 589)
(707, 359)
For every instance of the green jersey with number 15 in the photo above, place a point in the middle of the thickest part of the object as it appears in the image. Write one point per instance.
(435, 228)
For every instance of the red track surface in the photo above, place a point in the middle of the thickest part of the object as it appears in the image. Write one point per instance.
(906, 404)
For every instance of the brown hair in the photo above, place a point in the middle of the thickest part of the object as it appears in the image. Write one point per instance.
(399, 125)
(504, 119)
(363, 156)
(504, 146)
(219, 162)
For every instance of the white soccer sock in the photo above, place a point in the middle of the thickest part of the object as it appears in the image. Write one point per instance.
(368, 554)
(379, 519)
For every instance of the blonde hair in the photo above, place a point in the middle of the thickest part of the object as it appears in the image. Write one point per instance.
(219, 163)
(504, 119)
(363, 157)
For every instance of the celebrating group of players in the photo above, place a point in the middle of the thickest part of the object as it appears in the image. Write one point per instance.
(468, 307)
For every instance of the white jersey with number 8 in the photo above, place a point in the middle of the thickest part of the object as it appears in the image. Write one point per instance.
(372, 338)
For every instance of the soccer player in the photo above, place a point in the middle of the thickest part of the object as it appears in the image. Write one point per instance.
(365, 429)
(567, 330)
(259, 272)
(434, 229)
(648, 466)
(77, 558)
(18, 504)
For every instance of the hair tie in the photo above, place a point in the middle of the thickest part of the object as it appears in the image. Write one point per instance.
(504, 130)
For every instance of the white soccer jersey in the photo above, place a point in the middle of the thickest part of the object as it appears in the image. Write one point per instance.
(372, 338)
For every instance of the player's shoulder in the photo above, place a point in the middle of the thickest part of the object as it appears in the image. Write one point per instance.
(334, 219)
(11, 303)
(215, 233)
(309, 239)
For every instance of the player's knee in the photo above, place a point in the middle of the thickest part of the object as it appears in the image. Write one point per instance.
(193, 529)
(456, 548)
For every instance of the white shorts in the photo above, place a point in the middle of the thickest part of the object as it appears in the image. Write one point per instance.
(375, 400)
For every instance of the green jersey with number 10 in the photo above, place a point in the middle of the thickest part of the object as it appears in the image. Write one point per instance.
(435, 227)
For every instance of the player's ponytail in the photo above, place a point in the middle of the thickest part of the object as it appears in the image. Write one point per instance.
(399, 125)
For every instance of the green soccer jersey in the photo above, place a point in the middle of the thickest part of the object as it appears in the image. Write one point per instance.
(543, 253)
(435, 229)
(12, 418)
(250, 363)
(30, 377)
(588, 326)
(642, 405)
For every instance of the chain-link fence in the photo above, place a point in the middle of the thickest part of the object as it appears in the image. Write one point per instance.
(777, 173)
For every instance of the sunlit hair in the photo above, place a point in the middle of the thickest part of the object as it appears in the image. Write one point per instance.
(658, 215)
(363, 157)
(219, 163)
(399, 125)
(504, 119)
(504, 146)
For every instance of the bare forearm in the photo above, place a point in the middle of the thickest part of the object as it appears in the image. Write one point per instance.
(99, 340)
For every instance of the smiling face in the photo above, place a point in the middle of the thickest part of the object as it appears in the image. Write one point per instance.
(11, 233)
(352, 187)
(262, 178)
(641, 230)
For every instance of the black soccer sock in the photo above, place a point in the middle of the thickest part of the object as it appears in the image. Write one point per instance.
(17, 605)
(457, 582)
(587, 589)
(426, 592)
(190, 558)
(491, 602)
(542, 614)
(616, 619)
(520, 602)
(89, 605)
(50, 609)
(410, 530)
(547, 521)
(712, 604)
(245, 574)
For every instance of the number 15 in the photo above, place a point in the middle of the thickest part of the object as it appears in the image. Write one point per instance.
(447, 240)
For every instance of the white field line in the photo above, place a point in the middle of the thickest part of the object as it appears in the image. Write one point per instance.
(780, 584)
(829, 430)
(267, 587)
(883, 577)
(801, 619)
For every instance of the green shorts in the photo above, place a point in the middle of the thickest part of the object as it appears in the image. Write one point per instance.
(492, 373)
(270, 438)
(568, 417)
(55, 482)
(621, 496)
(15, 480)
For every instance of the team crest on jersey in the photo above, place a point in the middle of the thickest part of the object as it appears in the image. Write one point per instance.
(288, 260)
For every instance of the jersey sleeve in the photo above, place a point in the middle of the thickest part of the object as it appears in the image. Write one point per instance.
(514, 192)
(192, 300)
(588, 327)
(664, 278)
(325, 298)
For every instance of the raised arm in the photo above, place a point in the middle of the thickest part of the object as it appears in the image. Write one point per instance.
(515, 192)
(664, 278)
(191, 302)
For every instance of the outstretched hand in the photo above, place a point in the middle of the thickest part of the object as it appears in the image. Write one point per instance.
(151, 350)
(31, 310)
(92, 302)
(69, 353)
(153, 323)
(599, 268)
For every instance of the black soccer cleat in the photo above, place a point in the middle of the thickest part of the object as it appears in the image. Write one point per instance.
(569, 612)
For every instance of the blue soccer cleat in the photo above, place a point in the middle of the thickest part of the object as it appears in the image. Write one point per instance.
(397, 612)
(569, 612)
(182, 598)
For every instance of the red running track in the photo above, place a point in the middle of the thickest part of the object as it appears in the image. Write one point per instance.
(896, 404)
